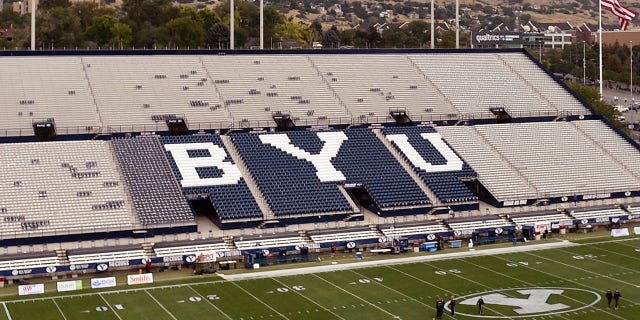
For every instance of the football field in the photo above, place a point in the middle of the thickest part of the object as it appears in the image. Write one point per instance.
(561, 283)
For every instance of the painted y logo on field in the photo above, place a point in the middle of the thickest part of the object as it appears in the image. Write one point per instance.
(535, 303)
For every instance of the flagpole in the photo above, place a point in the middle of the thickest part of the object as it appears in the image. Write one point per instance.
(600, 44)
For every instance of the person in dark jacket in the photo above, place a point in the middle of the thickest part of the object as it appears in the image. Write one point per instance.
(480, 306)
(616, 297)
(439, 308)
(452, 305)
(609, 296)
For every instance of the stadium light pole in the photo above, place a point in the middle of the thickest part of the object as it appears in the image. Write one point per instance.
(33, 25)
(457, 24)
(600, 45)
(232, 22)
(433, 26)
(261, 24)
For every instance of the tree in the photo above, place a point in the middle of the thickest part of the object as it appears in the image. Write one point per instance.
(290, 29)
(121, 35)
(101, 30)
(156, 12)
(218, 35)
(59, 27)
(186, 32)
(150, 36)
(330, 39)
(394, 38)
(592, 96)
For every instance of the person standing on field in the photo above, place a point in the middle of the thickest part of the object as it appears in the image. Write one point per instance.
(452, 305)
(616, 297)
(480, 306)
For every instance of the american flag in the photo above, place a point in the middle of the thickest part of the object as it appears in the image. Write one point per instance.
(624, 14)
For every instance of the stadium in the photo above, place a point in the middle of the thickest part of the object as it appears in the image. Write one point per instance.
(112, 160)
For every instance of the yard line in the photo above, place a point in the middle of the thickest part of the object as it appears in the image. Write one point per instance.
(349, 293)
(209, 302)
(396, 291)
(249, 293)
(585, 270)
(109, 306)
(605, 262)
(449, 291)
(508, 276)
(57, 306)
(618, 253)
(307, 298)
(556, 276)
(6, 311)
(160, 304)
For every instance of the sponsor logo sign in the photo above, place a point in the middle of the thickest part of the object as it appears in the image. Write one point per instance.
(497, 38)
(172, 259)
(636, 230)
(102, 267)
(28, 289)
(69, 285)
(119, 263)
(21, 272)
(139, 278)
(85, 266)
(103, 282)
(190, 258)
(622, 232)
(530, 302)
(229, 254)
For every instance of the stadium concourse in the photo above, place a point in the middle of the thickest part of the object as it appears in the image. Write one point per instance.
(114, 159)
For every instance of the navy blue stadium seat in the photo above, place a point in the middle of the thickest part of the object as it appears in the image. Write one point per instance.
(231, 201)
(448, 186)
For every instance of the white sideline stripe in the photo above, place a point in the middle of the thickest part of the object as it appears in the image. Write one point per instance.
(109, 306)
(307, 298)
(258, 299)
(209, 302)
(6, 311)
(57, 306)
(367, 264)
(160, 304)
(561, 278)
(356, 296)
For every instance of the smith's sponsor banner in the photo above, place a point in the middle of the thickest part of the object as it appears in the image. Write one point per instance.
(622, 232)
(37, 288)
(103, 282)
(69, 285)
(139, 278)
(497, 38)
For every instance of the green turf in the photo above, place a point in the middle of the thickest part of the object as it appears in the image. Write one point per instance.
(408, 291)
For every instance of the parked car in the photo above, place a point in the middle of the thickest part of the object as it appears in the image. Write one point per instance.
(621, 108)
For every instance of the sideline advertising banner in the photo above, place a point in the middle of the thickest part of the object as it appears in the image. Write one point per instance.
(103, 282)
(37, 288)
(636, 230)
(69, 285)
(622, 232)
(139, 278)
